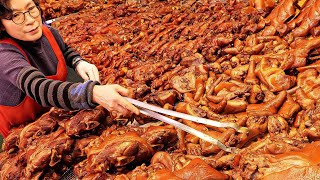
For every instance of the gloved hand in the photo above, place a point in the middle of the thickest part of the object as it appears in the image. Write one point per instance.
(87, 71)
(109, 96)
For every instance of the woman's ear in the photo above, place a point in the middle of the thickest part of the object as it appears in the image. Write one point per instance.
(1, 26)
(2, 31)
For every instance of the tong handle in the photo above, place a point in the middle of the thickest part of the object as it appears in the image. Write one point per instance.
(58, 18)
(187, 116)
(186, 128)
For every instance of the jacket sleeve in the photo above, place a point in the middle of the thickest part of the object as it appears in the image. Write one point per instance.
(47, 92)
(20, 76)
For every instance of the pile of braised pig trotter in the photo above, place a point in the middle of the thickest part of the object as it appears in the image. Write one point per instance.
(57, 8)
(254, 63)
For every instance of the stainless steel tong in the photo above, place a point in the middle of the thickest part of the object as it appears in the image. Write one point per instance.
(59, 18)
(153, 111)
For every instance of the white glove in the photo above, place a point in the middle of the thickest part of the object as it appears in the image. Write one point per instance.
(87, 71)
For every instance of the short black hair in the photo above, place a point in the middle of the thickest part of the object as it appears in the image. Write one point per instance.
(6, 12)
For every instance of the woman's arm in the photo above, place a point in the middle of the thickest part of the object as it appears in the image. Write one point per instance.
(55, 93)
(66, 95)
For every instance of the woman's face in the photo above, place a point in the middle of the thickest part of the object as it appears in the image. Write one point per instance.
(30, 29)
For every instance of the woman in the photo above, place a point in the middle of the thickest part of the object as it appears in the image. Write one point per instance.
(33, 59)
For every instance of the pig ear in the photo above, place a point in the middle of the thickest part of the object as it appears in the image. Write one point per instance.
(157, 147)
(124, 160)
(92, 124)
(55, 158)
(37, 175)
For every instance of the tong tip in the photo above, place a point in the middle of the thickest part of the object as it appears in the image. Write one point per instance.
(231, 149)
(243, 130)
(238, 128)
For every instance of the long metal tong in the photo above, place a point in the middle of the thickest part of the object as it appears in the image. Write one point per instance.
(59, 18)
(153, 111)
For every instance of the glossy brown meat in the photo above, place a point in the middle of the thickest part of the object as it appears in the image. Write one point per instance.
(309, 123)
(47, 151)
(117, 150)
(273, 77)
(300, 51)
(307, 19)
(198, 169)
(308, 81)
(60, 114)
(44, 125)
(190, 109)
(208, 148)
(256, 94)
(12, 169)
(185, 82)
(163, 97)
(275, 21)
(277, 125)
(289, 108)
(11, 142)
(315, 31)
(306, 158)
(160, 137)
(268, 108)
(257, 125)
(148, 72)
(80, 146)
(80, 169)
(84, 120)
(303, 13)
(311, 172)
(200, 88)
(166, 77)
(251, 77)
(175, 166)
(304, 101)
(262, 5)
(54, 8)
(272, 155)
(4, 156)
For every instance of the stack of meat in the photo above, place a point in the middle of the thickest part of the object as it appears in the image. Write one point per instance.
(252, 63)
(55, 8)
(37, 149)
